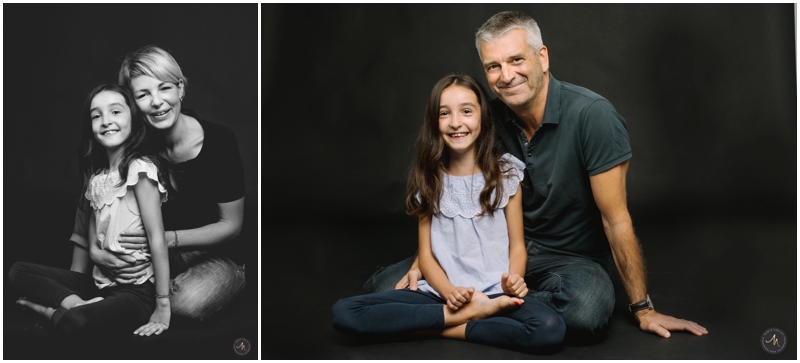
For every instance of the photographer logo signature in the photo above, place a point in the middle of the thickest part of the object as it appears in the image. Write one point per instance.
(241, 346)
(773, 340)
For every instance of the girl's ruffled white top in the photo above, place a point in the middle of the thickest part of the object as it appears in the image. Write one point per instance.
(473, 249)
(116, 209)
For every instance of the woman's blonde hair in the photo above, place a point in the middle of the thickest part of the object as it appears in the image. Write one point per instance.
(151, 61)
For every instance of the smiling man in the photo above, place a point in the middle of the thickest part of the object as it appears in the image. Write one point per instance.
(576, 149)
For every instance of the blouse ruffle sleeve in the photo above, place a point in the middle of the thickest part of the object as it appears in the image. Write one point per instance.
(140, 166)
(103, 190)
(513, 172)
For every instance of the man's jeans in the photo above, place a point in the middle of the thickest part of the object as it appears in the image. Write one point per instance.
(578, 289)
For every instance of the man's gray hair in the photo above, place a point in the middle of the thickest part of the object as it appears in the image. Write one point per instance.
(502, 23)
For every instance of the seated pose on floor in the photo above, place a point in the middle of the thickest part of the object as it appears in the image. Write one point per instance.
(205, 181)
(122, 188)
(576, 150)
(471, 244)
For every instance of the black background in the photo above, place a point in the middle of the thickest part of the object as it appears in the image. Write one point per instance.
(55, 54)
(709, 93)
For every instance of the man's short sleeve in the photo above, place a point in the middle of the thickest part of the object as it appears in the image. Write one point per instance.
(604, 138)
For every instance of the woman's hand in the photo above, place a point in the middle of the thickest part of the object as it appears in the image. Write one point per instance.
(514, 285)
(159, 322)
(122, 268)
(459, 296)
(134, 239)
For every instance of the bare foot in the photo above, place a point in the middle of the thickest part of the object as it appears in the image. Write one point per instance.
(486, 307)
(44, 311)
(88, 301)
(73, 300)
(480, 307)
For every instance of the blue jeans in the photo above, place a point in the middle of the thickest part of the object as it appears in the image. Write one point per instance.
(530, 326)
(578, 289)
(207, 285)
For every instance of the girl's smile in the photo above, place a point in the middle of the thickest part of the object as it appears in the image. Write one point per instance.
(458, 136)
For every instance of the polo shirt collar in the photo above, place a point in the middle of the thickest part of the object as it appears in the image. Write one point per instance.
(552, 109)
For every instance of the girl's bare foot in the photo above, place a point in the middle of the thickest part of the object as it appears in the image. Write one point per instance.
(486, 307)
(73, 300)
(480, 307)
(88, 301)
(44, 311)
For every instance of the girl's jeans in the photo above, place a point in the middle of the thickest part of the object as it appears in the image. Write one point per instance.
(124, 307)
(578, 289)
(530, 326)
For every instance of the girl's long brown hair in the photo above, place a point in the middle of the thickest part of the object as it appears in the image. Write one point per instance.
(432, 158)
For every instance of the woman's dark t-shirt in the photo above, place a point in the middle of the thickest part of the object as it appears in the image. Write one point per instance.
(214, 176)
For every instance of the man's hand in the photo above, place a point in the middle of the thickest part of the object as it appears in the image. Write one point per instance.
(653, 322)
(134, 239)
(459, 296)
(409, 280)
(514, 285)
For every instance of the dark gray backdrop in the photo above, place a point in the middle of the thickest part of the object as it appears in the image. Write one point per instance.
(708, 92)
(54, 54)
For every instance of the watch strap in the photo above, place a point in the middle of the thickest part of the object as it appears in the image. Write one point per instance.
(641, 305)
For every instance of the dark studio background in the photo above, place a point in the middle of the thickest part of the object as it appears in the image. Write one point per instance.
(709, 96)
(56, 53)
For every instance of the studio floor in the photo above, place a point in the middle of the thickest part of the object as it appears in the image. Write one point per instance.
(736, 277)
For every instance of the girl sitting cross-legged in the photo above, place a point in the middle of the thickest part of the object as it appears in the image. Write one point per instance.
(471, 247)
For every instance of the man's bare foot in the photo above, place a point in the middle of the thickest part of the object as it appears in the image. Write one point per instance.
(480, 307)
(44, 311)
(88, 301)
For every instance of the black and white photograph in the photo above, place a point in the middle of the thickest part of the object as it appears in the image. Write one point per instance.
(529, 181)
(130, 141)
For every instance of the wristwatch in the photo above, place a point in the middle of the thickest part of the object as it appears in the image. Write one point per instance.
(641, 305)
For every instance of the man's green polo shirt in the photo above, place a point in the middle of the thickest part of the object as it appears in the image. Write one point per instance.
(581, 135)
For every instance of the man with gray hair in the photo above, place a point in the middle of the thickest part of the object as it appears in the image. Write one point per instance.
(576, 149)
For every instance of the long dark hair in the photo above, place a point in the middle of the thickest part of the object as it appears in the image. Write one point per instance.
(432, 158)
(92, 157)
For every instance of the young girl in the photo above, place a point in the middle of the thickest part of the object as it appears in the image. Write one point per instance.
(471, 246)
(122, 186)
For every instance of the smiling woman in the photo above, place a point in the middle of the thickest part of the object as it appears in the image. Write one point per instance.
(216, 46)
(157, 84)
(203, 174)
